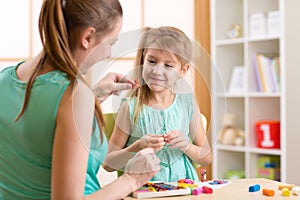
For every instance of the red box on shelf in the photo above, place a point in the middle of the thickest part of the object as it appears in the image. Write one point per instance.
(268, 134)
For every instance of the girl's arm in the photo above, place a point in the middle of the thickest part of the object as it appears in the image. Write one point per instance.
(199, 151)
(117, 157)
(118, 153)
(71, 150)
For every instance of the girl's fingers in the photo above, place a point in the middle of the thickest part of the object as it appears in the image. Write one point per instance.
(154, 139)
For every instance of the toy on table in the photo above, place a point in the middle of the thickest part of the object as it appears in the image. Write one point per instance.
(156, 187)
(296, 191)
(203, 175)
(160, 189)
(207, 190)
(218, 182)
(288, 186)
(197, 191)
(286, 192)
(184, 183)
(186, 180)
(268, 192)
(254, 188)
(203, 189)
(230, 134)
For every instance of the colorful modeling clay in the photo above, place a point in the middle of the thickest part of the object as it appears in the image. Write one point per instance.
(296, 191)
(185, 185)
(254, 188)
(203, 175)
(218, 182)
(286, 192)
(185, 180)
(268, 192)
(207, 190)
(288, 186)
(197, 191)
(137, 83)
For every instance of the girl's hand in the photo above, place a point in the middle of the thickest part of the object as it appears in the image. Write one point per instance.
(142, 167)
(156, 142)
(176, 139)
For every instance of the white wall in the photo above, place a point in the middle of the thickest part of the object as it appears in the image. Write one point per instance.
(19, 37)
(292, 103)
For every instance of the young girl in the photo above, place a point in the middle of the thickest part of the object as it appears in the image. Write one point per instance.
(157, 117)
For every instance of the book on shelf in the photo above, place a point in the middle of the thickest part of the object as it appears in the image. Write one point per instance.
(267, 72)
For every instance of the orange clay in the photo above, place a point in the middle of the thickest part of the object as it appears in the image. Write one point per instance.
(288, 186)
(268, 192)
(137, 83)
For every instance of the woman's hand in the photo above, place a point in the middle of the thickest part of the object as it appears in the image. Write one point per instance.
(156, 142)
(142, 167)
(112, 83)
(176, 139)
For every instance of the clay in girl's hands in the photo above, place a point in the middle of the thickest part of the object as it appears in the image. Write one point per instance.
(165, 138)
(176, 139)
(154, 141)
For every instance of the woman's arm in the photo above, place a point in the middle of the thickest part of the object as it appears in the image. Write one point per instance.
(71, 151)
(72, 142)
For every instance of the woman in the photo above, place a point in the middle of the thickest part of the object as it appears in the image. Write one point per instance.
(51, 125)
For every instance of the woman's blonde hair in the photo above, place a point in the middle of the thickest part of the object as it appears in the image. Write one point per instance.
(165, 38)
(60, 23)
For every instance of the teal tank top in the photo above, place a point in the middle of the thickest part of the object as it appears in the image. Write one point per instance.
(174, 164)
(26, 145)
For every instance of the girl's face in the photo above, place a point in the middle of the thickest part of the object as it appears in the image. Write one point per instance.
(161, 69)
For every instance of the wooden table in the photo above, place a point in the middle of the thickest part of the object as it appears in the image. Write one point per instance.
(237, 189)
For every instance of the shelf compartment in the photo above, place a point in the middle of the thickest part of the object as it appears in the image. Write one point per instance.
(230, 13)
(228, 105)
(261, 109)
(256, 6)
(229, 160)
(224, 65)
(270, 47)
(271, 165)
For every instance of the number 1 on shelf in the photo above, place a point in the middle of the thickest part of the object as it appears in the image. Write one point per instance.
(266, 142)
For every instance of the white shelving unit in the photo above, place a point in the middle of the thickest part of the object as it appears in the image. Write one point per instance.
(249, 106)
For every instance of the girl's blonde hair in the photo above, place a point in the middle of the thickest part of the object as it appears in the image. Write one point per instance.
(60, 23)
(166, 38)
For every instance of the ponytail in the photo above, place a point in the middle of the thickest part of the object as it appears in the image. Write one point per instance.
(56, 29)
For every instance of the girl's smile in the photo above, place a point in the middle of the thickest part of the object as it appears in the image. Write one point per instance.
(160, 69)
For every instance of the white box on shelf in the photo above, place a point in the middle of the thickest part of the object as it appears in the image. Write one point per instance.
(274, 23)
(237, 81)
(258, 26)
